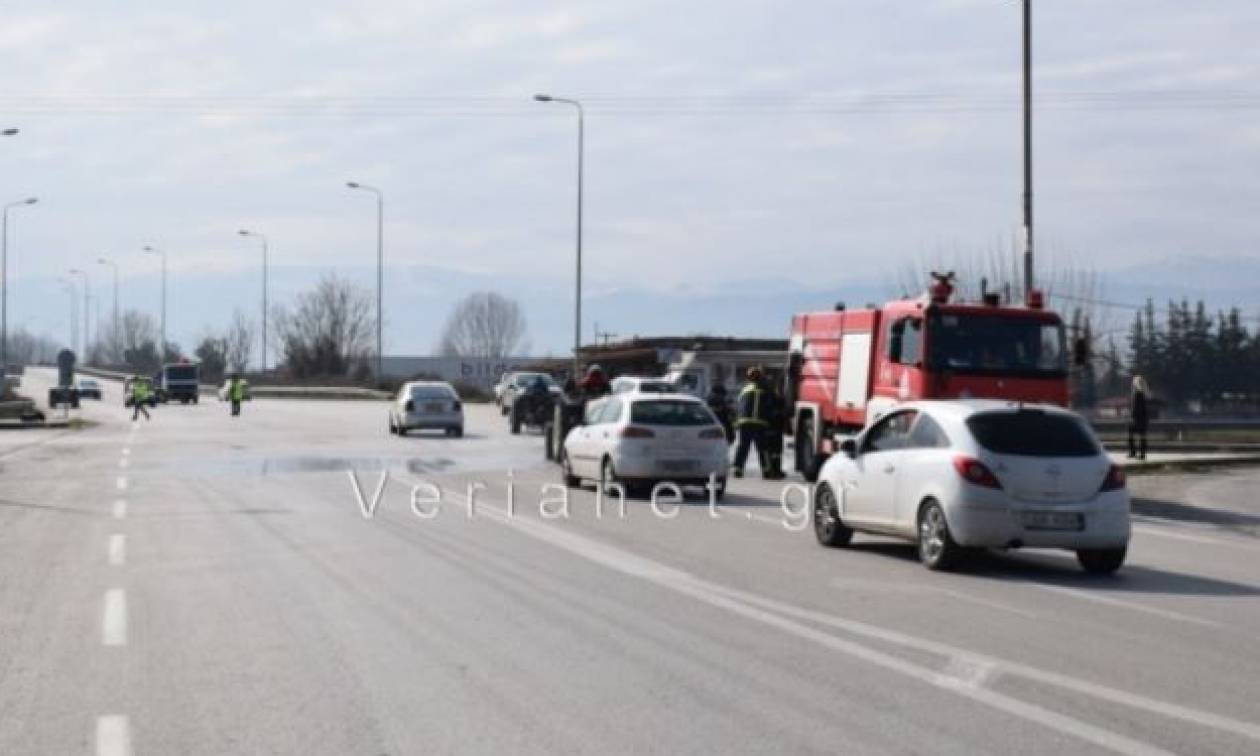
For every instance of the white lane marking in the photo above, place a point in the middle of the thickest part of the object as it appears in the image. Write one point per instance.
(114, 624)
(966, 672)
(1108, 601)
(1166, 532)
(113, 736)
(126, 451)
(124, 462)
(710, 593)
(120, 508)
(986, 602)
(1015, 669)
(117, 549)
(121, 483)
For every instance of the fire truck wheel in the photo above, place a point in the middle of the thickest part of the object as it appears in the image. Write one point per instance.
(806, 451)
(829, 529)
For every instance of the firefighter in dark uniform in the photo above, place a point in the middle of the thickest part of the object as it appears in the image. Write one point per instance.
(752, 420)
(772, 461)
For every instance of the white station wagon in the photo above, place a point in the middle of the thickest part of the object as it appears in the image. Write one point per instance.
(639, 440)
(979, 473)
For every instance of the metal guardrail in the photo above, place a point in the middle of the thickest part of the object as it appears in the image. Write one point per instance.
(1180, 429)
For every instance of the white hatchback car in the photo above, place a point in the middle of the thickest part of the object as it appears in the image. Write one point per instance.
(421, 405)
(639, 440)
(979, 473)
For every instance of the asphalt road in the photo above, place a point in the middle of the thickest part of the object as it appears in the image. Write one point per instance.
(201, 584)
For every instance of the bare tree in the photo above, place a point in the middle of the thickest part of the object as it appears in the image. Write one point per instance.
(239, 342)
(484, 324)
(26, 348)
(329, 329)
(133, 343)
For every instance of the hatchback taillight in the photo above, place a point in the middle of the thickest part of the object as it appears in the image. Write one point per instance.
(974, 471)
(1115, 479)
(455, 406)
(712, 433)
(634, 431)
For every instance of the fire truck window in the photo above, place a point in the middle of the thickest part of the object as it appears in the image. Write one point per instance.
(890, 433)
(905, 340)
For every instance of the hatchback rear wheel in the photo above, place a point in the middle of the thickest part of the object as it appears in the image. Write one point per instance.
(1101, 561)
(937, 548)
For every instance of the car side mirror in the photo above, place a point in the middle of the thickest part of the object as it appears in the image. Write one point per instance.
(848, 448)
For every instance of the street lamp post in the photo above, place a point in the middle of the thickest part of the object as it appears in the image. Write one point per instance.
(263, 239)
(87, 307)
(1028, 162)
(153, 251)
(380, 272)
(69, 288)
(114, 265)
(577, 305)
(4, 282)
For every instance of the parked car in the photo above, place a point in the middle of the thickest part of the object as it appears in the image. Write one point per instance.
(88, 388)
(954, 475)
(515, 383)
(223, 391)
(640, 440)
(628, 384)
(426, 405)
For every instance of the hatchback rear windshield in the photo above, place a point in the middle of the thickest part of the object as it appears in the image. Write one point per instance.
(670, 413)
(1032, 434)
(431, 392)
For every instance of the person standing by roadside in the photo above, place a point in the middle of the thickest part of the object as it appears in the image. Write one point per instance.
(751, 421)
(772, 468)
(139, 397)
(1139, 418)
(236, 393)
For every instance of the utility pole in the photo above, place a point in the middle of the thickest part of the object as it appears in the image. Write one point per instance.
(1028, 162)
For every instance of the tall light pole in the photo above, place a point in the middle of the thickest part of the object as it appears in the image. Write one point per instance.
(87, 307)
(117, 324)
(72, 290)
(577, 304)
(4, 283)
(380, 272)
(263, 239)
(152, 251)
(1028, 162)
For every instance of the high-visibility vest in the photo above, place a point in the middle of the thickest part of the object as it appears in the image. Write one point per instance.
(750, 406)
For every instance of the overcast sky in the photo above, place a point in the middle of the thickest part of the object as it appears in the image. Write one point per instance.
(734, 150)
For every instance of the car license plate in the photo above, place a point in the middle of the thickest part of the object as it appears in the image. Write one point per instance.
(1053, 521)
(433, 407)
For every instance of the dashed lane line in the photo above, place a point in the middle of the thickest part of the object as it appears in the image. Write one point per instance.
(120, 509)
(117, 550)
(113, 736)
(114, 621)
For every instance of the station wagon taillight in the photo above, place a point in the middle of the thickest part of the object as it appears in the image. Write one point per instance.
(634, 431)
(709, 433)
(975, 472)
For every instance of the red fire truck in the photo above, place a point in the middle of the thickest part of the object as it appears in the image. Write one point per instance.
(847, 367)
